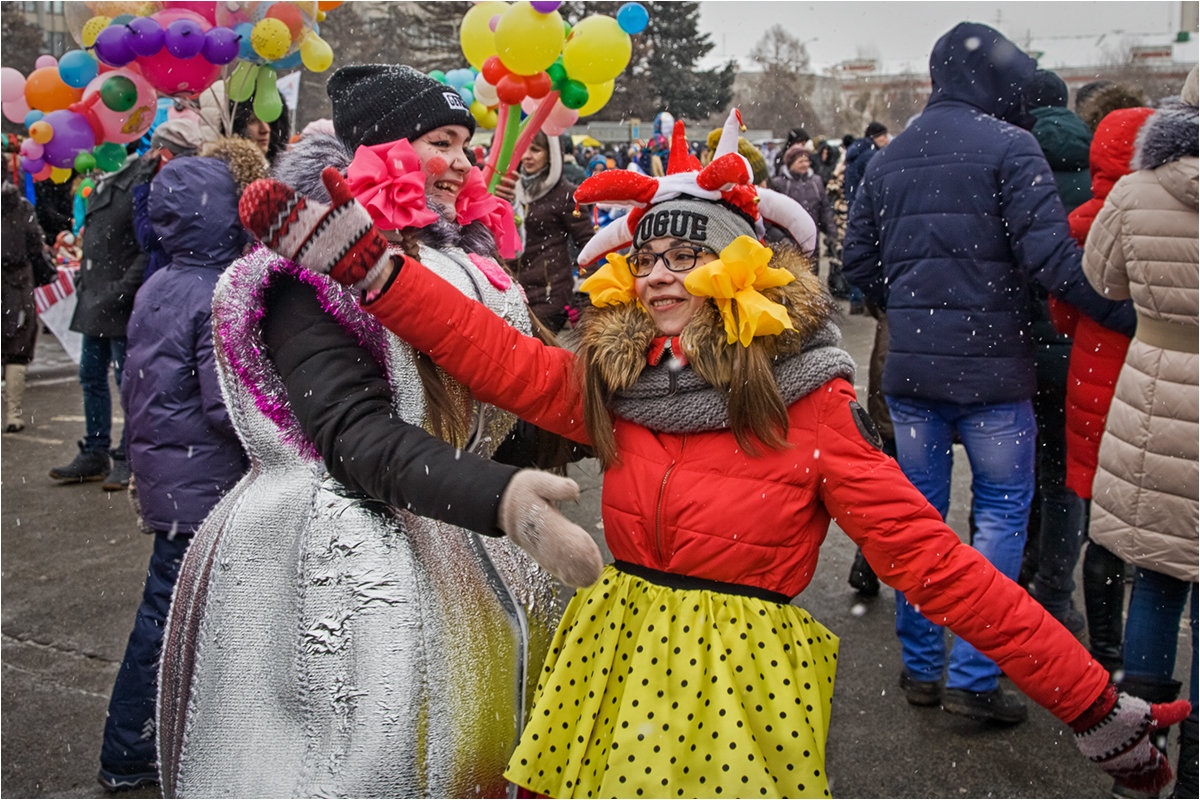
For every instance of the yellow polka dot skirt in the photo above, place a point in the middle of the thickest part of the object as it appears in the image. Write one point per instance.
(650, 691)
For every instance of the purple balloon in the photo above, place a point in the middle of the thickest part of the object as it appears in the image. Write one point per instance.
(32, 165)
(221, 45)
(545, 6)
(112, 46)
(146, 36)
(184, 39)
(72, 135)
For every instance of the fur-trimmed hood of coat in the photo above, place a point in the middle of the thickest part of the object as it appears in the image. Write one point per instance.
(1168, 135)
(618, 337)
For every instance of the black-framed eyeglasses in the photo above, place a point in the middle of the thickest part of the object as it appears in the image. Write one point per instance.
(676, 259)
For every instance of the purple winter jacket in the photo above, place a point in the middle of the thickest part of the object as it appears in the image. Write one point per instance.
(182, 447)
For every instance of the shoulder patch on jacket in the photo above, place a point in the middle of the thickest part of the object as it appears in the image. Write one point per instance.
(866, 426)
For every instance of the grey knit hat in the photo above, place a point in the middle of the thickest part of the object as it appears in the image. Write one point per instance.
(714, 225)
(377, 103)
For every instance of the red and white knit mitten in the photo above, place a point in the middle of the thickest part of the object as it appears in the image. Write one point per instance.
(338, 240)
(1115, 734)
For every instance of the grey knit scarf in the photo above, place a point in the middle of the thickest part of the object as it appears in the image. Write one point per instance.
(672, 399)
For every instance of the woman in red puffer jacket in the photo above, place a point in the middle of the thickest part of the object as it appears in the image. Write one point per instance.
(1096, 359)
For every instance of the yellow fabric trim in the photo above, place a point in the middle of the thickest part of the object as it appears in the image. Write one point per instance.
(735, 281)
(612, 284)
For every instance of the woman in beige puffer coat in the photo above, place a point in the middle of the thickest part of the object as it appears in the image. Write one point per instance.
(1143, 246)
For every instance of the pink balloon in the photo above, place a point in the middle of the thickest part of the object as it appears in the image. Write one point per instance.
(12, 84)
(15, 110)
(560, 119)
(45, 61)
(31, 149)
(171, 75)
(206, 10)
(121, 127)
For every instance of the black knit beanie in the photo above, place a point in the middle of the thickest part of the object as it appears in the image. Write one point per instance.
(1046, 89)
(377, 103)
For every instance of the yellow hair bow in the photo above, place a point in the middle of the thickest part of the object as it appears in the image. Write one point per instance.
(735, 281)
(612, 284)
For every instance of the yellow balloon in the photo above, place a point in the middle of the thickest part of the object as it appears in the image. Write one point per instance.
(41, 132)
(475, 33)
(316, 54)
(598, 95)
(92, 28)
(597, 50)
(60, 174)
(271, 38)
(526, 41)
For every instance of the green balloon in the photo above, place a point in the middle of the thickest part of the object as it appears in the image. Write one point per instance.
(267, 103)
(558, 75)
(85, 162)
(438, 76)
(109, 156)
(118, 93)
(241, 82)
(574, 94)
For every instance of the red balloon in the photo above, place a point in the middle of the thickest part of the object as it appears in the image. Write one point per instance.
(510, 89)
(538, 85)
(206, 10)
(493, 70)
(289, 15)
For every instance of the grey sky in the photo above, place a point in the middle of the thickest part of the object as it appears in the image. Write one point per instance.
(901, 34)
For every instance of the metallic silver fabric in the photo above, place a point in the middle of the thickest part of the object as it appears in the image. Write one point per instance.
(327, 644)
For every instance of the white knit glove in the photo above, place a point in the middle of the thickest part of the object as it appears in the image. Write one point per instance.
(529, 516)
(1115, 733)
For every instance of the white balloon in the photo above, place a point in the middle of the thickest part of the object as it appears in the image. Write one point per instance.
(485, 92)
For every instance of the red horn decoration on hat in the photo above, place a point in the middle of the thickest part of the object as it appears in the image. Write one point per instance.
(728, 169)
(681, 159)
(617, 187)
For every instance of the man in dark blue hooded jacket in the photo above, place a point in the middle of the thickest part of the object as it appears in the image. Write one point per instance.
(954, 220)
(183, 449)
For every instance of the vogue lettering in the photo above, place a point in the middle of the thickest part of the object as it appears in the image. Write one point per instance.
(676, 223)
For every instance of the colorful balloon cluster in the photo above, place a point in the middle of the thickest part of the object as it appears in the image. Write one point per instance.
(180, 47)
(77, 117)
(527, 57)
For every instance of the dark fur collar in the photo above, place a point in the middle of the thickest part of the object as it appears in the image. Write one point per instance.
(1168, 135)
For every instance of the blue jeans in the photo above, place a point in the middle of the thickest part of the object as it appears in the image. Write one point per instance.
(1000, 440)
(1152, 628)
(97, 353)
(129, 741)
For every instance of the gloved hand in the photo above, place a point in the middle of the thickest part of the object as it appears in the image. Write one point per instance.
(339, 240)
(1115, 734)
(529, 517)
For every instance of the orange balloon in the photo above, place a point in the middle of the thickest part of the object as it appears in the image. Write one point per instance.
(45, 91)
(289, 15)
(325, 5)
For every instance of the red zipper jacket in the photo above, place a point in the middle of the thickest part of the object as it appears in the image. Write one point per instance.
(695, 504)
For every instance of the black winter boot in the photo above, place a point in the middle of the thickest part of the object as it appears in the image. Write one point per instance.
(1104, 601)
(1185, 770)
(88, 465)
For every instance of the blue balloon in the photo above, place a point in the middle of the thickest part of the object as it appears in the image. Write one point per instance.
(287, 62)
(245, 49)
(633, 18)
(32, 117)
(77, 68)
(467, 95)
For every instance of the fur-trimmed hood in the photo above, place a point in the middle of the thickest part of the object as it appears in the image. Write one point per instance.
(617, 338)
(1169, 135)
(243, 158)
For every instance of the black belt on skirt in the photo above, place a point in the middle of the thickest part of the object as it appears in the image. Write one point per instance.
(673, 581)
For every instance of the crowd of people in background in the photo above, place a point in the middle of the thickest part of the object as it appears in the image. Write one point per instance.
(1031, 271)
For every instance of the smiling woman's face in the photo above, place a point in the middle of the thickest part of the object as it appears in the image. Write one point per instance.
(443, 154)
(662, 292)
